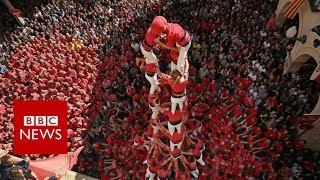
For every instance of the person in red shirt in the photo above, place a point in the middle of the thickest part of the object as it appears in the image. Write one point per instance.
(151, 98)
(178, 83)
(150, 71)
(154, 126)
(196, 152)
(212, 87)
(194, 125)
(151, 170)
(175, 36)
(148, 44)
(175, 120)
(190, 163)
(176, 138)
(262, 143)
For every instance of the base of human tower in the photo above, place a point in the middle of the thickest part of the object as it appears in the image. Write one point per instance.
(173, 155)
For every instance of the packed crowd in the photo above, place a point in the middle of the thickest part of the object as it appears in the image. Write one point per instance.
(236, 88)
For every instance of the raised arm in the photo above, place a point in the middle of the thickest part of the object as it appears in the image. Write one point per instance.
(186, 66)
(163, 45)
(159, 73)
(158, 107)
(34, 175)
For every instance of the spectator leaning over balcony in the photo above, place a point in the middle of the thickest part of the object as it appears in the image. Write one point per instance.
(9, 169)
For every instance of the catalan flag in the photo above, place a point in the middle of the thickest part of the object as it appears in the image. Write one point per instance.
(293, 8)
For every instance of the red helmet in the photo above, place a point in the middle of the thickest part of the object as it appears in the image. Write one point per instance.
(158, 25)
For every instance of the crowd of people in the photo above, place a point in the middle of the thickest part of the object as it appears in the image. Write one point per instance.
(236, 88)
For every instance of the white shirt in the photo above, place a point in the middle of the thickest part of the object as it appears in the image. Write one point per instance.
(252, 76)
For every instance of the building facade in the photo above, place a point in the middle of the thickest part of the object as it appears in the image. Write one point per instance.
(307, 46)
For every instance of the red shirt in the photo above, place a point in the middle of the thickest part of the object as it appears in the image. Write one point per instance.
(193, 126)
(252, 112)
(199, 88)
(175, 152)
(110, 139)
(177, 116)
(176, 34)
(163, 173)
(272, 101)
(256, 130)
(263, 143)
(192, 165)
(151, 68)
(176, 137)
(148, 42)
(248, 101)
(271, 134)
(236, 111)
(176, 87)
(186, 174)
(154, 169)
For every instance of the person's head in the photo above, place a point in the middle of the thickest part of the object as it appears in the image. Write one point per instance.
(175, 74)
(16, 173)
(7, 160)
(158, 25)
(51, 178)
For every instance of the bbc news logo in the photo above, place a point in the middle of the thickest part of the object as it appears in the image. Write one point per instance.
(40, 127)
(36, 133)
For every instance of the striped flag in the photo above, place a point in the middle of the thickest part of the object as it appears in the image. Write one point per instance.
(293, 8)
(316, 74)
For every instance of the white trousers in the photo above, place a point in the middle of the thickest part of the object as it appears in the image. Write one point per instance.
(172, 128)
(153, 82)
(160, 179)
(195, 173)
(198, 130)
(182, 56)
(149, 174)
(155, 112)
(155, 128)
(177, 101)
(200, 160)
(173, 66)
(150, 56)
(204, 147)
(173, 145)
(147, 147)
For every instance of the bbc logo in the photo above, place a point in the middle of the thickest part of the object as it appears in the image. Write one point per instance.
(40, 120)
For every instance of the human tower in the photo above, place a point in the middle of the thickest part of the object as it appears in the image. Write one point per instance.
(174, 150)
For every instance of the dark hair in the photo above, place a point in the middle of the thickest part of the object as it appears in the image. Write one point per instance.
(181, 167)
(14, 173)
(192, 146)
(211, 156)
(154, 164)
(4, 159)
(52, 178)
(221, 172)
